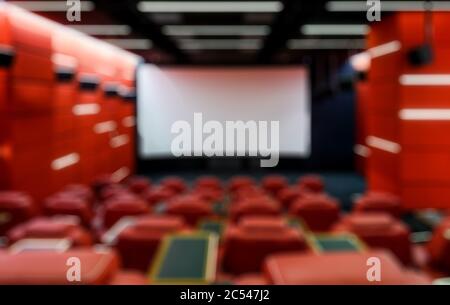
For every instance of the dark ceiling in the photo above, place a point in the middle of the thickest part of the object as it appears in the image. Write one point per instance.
(269, 45)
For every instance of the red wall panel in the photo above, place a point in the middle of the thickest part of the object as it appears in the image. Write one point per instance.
(419, 171)
(44, 142)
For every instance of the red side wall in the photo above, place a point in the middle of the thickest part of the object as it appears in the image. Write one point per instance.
(38, 124)
(420, 172)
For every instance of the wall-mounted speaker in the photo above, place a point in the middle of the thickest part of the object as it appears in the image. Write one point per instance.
(64, 74)
(7, 55)
(111, 90)
(89, 82)
(422, 55)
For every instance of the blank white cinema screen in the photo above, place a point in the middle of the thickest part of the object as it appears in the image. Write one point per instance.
(168, 95)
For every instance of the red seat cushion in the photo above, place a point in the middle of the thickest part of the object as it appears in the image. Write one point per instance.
(258, 206)
(318, 211)
(50, 268)
(129, 278)
(158, 195)
(138, 243)
(250, 279)
(289, 195)
(248, 243)
(15, 207)
(55, 227)
(274, 184)
(208, 182)
(439, 246)
(174, 183)
(337, 268)
(139, 185)
(313, 183)
(191, 208)
(119, 207)
(379, 230)
(66, 204)
(81, 191)
(379, 202)
(239, 182)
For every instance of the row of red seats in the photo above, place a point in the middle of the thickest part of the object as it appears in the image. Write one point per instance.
(250, 236)
(318, 211)
(103, 267)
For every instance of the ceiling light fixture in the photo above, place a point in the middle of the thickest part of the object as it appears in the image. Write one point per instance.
(210, 6)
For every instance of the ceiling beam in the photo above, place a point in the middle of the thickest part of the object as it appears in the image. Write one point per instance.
(126, 12)
(287, 25)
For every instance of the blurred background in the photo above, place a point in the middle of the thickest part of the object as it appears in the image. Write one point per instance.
(89, 91)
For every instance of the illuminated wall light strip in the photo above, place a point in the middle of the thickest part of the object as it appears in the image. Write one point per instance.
(85, 109)
(362, 61)
(425, 114)
(210, 6)
(326, 44)
(51, 6)
(65, 161)
(385, 49)
(63, 60)
(383, 144)
(386, 6)
(120, 174)
(102, 29)
(216, 30)
(105, 127)
(425, 79)
(119, 141)
(335, 29)
(129, 121)
(361, 150)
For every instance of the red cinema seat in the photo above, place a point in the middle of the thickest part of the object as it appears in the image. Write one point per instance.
(249, 242)
(191, 208)
(129, 278)
(15, 207)
(288, 195)
(379, 202)
(208, 182)
(313, 183)
(240, 182)
(174, 183)
(379, 230)
(274, 184)
(137, 244)
(337, 268)
(247, 192)
(116, 208)
(98, 267)
(258, 206)
(439, 246)
(158, 195)
(139, 185)
(318, 211)
(250, 279)
(64, 204)
(208, 194)
(81, 191)
(114, 190)
(52, 228)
